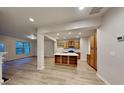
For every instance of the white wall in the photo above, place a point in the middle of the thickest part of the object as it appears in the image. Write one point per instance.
(10, 43)
(84, 48)
(48, 48)
(110, 51)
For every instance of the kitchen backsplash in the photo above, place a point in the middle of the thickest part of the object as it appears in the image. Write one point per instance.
(61, 50)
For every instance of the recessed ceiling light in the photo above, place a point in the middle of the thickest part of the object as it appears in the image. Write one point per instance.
(81, 8)
(69, 33)
(58, 34)
(31, 19)
(79, 33)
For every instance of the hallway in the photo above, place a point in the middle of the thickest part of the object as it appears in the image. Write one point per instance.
(24, 71)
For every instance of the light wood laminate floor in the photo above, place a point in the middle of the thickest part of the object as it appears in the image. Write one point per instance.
(24, 72)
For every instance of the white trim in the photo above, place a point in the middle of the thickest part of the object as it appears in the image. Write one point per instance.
(53, 39)
(103, 79)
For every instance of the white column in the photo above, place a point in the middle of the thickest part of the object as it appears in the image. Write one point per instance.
(40, 51)
(81, 49)
(55, 46)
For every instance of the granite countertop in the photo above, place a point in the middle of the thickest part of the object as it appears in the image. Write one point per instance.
(66, 54)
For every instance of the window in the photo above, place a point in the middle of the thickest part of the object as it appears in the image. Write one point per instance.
(19, 48)
(2, 47)
(27, 48)
(22, 48)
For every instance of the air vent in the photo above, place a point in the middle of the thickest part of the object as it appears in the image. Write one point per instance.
(96, 10)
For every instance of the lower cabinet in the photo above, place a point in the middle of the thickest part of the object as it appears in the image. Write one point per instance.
(73, 60)
(88, 59)
(57, 59)
(66, 60)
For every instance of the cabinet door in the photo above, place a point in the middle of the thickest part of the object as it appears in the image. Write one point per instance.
(77, 44)
(57, 59)
(71, 43)
(92, 62)
(60, 44)
(95, 59)
(65, 45)
(88, 58)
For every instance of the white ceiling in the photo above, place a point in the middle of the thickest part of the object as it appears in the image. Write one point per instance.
(14, 21)
(73, 34)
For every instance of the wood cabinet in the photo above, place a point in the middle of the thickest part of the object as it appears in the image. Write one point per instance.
(77, 44)
(66, 60)
(92, 57)
(88, 59)
(60, 44)
(57, 59)
(73, 60)
(65, 44)
(69, 43)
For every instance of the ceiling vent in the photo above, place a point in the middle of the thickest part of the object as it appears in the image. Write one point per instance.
(95, 10)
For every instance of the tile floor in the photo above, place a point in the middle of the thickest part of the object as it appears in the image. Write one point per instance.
(24, 72)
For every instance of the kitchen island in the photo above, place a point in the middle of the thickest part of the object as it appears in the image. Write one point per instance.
(69, 59)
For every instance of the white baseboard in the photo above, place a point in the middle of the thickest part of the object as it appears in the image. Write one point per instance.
(103, 79)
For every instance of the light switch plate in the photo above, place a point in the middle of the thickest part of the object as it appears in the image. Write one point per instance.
(120, 38)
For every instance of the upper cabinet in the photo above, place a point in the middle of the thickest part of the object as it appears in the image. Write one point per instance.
(77, 44)
(65, 44)
(69, 44)
(60, 44)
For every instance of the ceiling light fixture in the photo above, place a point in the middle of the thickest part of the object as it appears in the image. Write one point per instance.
(69, 33)
(58, 34)
(81, 8)
(31, 19)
